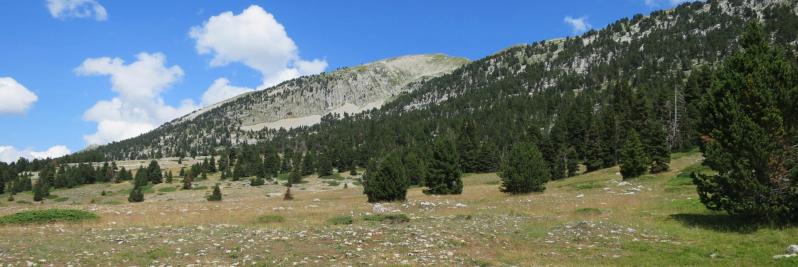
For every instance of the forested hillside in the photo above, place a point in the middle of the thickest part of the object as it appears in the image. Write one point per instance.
(576, 97)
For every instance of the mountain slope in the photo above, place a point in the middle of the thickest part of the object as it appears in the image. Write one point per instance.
(557, 86)
(294, 103)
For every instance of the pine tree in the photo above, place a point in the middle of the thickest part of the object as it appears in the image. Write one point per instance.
(488, 158)
(169, 177)
(187, 182)
(216, 195)
(468, 147)
(296, 175)
(38, 191)
(182, 172)
(308, 163)
(444, 173)
(634, 161)
(212, 165)
(524, 170)
(324, 165)
(658, 147)
(154, 173)
(415, 168)
(387, 181)
(135, 195)
(594, 148)
(141, 178)
(748, 123)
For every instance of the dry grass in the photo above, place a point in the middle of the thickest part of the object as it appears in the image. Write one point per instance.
(593, 219)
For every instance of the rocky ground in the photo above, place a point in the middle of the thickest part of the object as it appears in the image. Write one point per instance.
(594, 219)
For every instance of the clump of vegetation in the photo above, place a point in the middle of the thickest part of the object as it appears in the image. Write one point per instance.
(257, 181)
(47, 216)
(392, 218)
(634, 160)
(444, 169)
(270, 219)
(216, 195)
(135, 195)
(340, 220)
(524, 171)
(386, 180)
(748, 123)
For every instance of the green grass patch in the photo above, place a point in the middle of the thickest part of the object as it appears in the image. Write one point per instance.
(340, 220)
(494, 182)
(270, 219)
(61, 199)
(201, 187)
(333, 183)
(587, 185)
(144, 189)
(684, 179)
(47, 216)
(167, 189)
(51, 196)
(392, 218)
(23, 202)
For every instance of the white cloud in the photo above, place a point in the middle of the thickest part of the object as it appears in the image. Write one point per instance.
(77, 9)
(14, 97)
(665, 3)
(579, 25)
(9, 153)
(138, 106)
(221, 90)
(255, 39)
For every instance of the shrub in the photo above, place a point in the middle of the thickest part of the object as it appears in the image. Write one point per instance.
(386, 180)
(135, 195)
(634, 160)
(47, 216)
(340, 220)
(216, 195)
(270, 219)
(392, 218)
(524, 171)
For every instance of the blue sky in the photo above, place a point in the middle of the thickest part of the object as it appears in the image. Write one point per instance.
(75, 72)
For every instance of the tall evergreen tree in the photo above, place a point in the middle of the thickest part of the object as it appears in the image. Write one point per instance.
(524, 170)
(749, 124)
(387, 181)
(443, 176)
(634, 161)
(309, 163)
(658, 146)
(154, 173)
(468, 147)
(38, 190)
(324, 165)
(415, 167)
(141, 178)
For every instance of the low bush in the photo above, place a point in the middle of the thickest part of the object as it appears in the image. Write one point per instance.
(270, 219)
(47, 216)
(340, 220)
(392, 218)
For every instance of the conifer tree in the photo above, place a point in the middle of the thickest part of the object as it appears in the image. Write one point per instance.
(748, 125)
(154, 173)
(308, 163)
(634, 161)
(324, 165)
(489, 160)
(594, 159)
(416, 169)
(296, 175)
(387, 181)
(444, 173)
(187, 182)
(182, 172)
(169, 176)
(38, 191)
(216, 195)
(135, 195)
(212, 165)
(658, 147)
(524, 170)
(468, 147)
(141, 178)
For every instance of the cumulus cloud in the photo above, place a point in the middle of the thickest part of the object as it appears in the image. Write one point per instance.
(9, 153)
(14, 97)
(579, 25)
(255, 39)
(665, 3)
(221, 90)
(138, 106)
(63, 9)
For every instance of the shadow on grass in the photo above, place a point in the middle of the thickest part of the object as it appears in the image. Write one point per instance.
(719, 222)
